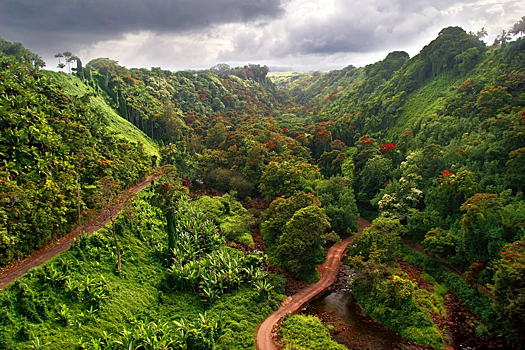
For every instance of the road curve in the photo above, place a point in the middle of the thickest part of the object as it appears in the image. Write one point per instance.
(40, 256)
(328, 271)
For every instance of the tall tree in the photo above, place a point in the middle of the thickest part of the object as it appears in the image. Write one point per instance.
(482, 33)
(300, 247)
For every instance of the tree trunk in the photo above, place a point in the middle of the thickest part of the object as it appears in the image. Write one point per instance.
(170, 218)
(116, 244)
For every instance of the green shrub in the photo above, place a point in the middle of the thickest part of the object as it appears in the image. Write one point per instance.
(306, 332)
(237, 228)
(278, 282)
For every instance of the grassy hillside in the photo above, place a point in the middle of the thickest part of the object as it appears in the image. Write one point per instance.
(75, 88)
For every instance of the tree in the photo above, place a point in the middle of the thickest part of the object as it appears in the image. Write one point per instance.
(281, 210)
(300, 248)
(167, 191)
(337, 198)
(59, 55)
(111, 201)
(438, 242)
(509, 290)
(284, 178)
(172, 127)
(482, 33)
(375, 175)
(482, 230)
(221, 68)
(70, 60)
(516, 169)
(518, 27)
(216, 135)
(379, 242)
(67, 56)
(399, 199)
(502, 39)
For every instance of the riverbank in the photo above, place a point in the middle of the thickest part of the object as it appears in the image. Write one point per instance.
(350, 326)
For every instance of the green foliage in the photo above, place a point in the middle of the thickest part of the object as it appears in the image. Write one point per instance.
(233, 219)
(454, 112)
(337, 198)
(509, 296)
(306, 332)
(281, 210)
(379, 242)
(21, 53)
(238, 229)
(440, 243)
(395, 302)
(285, 178)
(475, 300)
(48, 139)
(76, 88)
(300, 248)
(482, 230)
(399, 199)
(77, 299)
(391, 297)
(375, 175)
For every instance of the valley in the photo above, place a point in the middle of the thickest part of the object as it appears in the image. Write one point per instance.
(229, 197)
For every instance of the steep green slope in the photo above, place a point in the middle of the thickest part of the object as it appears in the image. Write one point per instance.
(51, 144)
(439, 146)
(75, 88)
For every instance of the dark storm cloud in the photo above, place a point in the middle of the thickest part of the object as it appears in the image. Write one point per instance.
(77, 23)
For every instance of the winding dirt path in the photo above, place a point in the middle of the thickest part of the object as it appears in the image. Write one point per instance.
(328, 271)
(48, 252)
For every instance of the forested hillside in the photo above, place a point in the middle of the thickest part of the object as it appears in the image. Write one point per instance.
(437, 143)
(431, 148)
(53, 143)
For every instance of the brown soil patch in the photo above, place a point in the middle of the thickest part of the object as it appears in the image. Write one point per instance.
(416, 273)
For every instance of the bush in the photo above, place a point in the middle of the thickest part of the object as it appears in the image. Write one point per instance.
(306, 332)
(237, 229)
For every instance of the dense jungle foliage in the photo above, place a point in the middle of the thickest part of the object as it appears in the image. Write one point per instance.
(432, 146)
(79, 300)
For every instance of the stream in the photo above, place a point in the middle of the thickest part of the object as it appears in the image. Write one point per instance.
(352, 328)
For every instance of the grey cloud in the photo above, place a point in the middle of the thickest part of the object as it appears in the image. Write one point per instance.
(76, 23)
(364, 26)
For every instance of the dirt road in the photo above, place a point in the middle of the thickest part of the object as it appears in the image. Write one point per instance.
(328, 270)
(40, 256)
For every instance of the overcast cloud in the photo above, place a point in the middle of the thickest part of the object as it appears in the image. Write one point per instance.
(304, 34)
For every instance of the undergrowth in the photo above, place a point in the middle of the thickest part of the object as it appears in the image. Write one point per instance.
(79, 300)
(306, 332)
(479, 303)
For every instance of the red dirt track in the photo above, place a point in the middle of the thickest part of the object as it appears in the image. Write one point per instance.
(42, 255)
(328, 271)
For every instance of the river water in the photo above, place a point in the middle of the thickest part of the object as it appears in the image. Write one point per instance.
(354, 329)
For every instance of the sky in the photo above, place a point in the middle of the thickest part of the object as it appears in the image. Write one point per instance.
(195, 34)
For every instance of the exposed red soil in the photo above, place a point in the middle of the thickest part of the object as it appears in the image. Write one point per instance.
(260, 244)
(416, 273)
